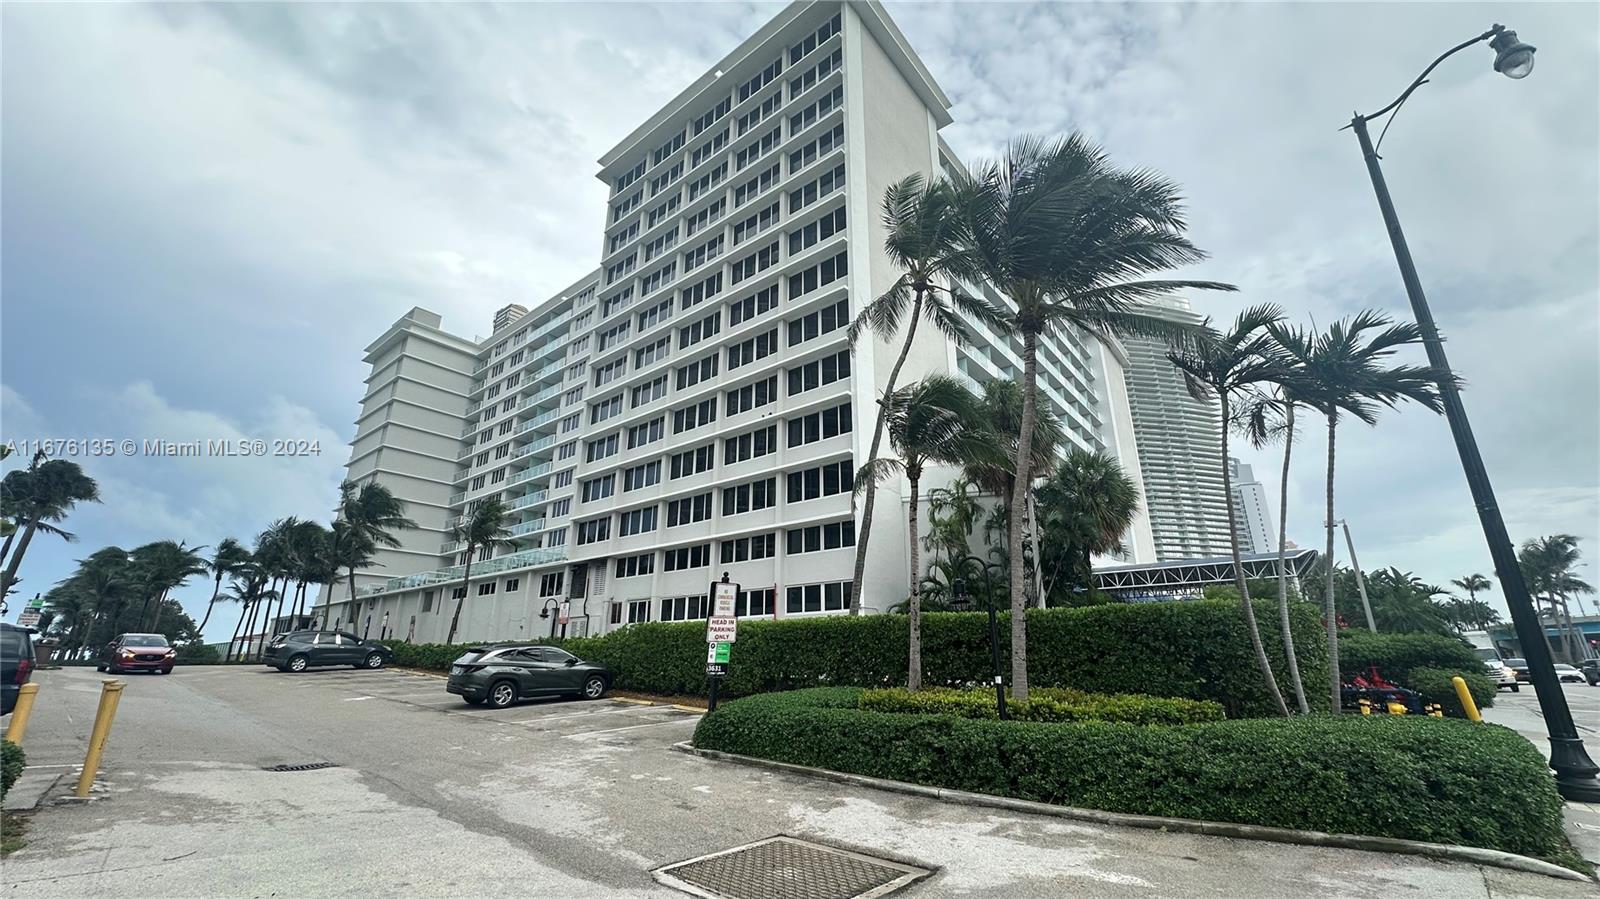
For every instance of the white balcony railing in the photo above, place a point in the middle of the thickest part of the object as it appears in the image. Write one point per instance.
(524, 559)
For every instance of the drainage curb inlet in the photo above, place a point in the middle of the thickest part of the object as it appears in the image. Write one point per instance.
(787, 868)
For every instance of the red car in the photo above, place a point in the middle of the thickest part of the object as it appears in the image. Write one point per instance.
(137, 652)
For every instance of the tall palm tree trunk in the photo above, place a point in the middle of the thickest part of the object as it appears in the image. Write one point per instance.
(1283, 567)
(1019, 498)
(237, 626)
(1330, 611)
(155, 620)
(352, 589)
(466, 577)
(870, 501)
(914, 672)
(267, 602)
(5, 548)
(1238, 574)
(210, 605)
(9, 576)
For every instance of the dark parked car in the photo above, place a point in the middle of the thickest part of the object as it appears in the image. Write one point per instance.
(1519, 667)
(503, 674)
(137, 652)
(16, 664)
(300, 650)
(1591, 671)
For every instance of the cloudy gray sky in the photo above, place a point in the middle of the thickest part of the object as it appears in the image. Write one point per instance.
(209, 210)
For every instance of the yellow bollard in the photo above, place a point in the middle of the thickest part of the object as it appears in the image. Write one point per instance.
(1366, 706)
(1465, 695)
(1397, 708)
(110, 695)
(19, 715)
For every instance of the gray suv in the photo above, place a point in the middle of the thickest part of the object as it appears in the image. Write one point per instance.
(503, 674)
(300, 650)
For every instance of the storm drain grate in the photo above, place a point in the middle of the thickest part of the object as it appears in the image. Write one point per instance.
(312, 766)
(787, 868)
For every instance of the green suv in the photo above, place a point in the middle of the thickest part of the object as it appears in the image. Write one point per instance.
(300, 650)
(503, 674)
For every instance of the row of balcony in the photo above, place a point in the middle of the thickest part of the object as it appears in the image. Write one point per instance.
(524, 559)
(533, 335)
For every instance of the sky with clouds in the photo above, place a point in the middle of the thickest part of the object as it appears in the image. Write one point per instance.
(209, 210)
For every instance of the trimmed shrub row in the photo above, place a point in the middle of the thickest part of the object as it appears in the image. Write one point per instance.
(1395, 655)
(1423, 662)
(1412, 778)
(1435, 686)
(1188, 650)
(12, 762)
(1045, 705)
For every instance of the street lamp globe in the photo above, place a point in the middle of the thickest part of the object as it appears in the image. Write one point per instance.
(1512, 58)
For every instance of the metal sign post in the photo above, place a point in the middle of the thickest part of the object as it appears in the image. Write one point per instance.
(722, 629)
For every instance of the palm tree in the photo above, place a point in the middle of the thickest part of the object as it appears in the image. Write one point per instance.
(993, 465)
(43, 492)
(230, 554)
(164, 566)
(953, 512)
(926, 240)
(1472, 583)
(310, 553)
(272, 553)
(371, 512)
(929, 422)
(1548, 565)
(248, 589)
(1085, 506)
(484, 527)
(1223, 366)
(1345, 371)
(1069, 239)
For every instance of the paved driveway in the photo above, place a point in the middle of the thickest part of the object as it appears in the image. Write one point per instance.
(432, 798)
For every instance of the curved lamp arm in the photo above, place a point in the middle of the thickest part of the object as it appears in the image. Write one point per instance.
(1423, 78)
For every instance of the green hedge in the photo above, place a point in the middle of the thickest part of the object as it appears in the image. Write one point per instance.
(1423, 662)
(12, 762)
(198, 654)
(1188, 650)
(1435, 685)
(1395, 655)
(1413, 778)
(1045, 705)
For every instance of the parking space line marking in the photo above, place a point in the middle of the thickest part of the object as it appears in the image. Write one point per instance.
(356, 698)
(612, 730)
(530, 721)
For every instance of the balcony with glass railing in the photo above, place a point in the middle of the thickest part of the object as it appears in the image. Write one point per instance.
(532, 471)
(527, 527)
(524, 559)
(543, 418)
(543, 396)
(531, 499)
(540, 444)
(457, 498)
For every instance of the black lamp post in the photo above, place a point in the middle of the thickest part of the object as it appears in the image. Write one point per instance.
(545, 613)
(1575, 772)
(963, 601)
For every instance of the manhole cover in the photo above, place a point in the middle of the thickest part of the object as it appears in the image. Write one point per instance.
(311, 766)
(786, 868)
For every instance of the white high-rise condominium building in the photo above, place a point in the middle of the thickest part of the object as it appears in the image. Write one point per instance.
(1179, 443)
(1250, 510)
(693, 406)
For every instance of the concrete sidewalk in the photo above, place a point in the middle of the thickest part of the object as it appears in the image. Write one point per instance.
(1520, 712)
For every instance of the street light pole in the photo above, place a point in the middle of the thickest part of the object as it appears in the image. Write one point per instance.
(1361, 579)
(1575, 772)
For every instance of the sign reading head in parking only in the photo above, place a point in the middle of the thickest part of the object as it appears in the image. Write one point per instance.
(722, 629)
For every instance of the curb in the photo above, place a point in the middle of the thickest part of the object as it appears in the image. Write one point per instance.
(1472, 854)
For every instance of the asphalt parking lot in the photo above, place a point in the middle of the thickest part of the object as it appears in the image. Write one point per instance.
(431, 797)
